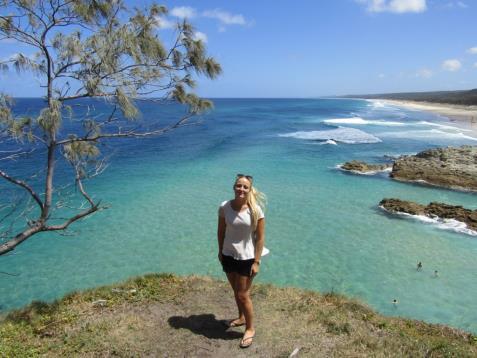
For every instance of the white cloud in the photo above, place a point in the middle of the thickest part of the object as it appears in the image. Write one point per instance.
(381, 75)
(200, 36)
(225, 17)
(472, 50)
(395, 6)
(184, 12)
(164, 23)
(475, 65)
(401, 6)
(424, 73)
(451, 65)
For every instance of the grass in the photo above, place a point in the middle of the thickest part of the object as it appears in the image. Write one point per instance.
(162, 314)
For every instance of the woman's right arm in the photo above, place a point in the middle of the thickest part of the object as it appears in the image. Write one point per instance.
(221, 235)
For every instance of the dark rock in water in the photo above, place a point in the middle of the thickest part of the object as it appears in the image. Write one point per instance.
(441, 210)
(449, 167)
(363, 167)
(402, 206)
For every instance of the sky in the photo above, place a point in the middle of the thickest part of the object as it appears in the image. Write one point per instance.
(309, 48)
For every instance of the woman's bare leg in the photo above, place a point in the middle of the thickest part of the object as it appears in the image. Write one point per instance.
(244, 284)
(232, 277)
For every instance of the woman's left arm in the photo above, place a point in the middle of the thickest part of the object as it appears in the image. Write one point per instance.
(259, 243)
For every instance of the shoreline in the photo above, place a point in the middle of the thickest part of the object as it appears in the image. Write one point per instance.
(463, 116)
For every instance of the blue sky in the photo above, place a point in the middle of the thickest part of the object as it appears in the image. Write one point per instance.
(309, 48)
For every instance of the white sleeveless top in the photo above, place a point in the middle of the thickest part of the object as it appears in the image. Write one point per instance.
(239, 239)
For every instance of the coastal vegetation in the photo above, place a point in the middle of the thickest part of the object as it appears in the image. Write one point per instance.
(463, 97)
(85, 49)
(167, 315)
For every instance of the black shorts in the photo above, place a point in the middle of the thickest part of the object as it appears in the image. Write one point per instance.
(242, 267)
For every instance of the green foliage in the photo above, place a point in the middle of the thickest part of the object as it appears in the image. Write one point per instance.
(18, 128)
(50, 117)
(5, 112)
(465, 97)
(127, 106)
(80, 150)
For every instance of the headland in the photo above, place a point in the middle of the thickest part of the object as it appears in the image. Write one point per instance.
(166, 315)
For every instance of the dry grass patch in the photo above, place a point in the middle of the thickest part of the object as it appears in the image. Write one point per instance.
(166, 315)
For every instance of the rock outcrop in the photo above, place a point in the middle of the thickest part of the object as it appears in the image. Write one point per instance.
(449, 167)
(363, 167)
(433, 210)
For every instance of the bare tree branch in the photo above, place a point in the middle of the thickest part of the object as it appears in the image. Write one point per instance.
(17, 154)
(131, 133)
(71, 220)
(24, 185)
(19, 238)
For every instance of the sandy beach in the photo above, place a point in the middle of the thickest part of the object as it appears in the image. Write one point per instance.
(463, 116)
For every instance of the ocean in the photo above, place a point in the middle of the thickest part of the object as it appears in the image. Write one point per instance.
(324, 228)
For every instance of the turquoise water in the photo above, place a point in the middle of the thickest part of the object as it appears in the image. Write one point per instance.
(324, 228)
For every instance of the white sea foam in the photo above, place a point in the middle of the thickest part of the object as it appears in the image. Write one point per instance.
(361, 121)
(378, 104)
(375, 103)
(424, 134)
(443, 224)
(443, 126)
(371, 172)
(329, 141)
(341, 134)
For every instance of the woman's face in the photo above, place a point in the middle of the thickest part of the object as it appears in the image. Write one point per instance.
(242, 188)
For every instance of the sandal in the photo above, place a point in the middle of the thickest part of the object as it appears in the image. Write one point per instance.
(236, 323)
(245, 339)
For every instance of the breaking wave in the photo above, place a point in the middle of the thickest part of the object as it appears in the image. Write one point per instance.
(361, 121)
(425, 134)
(340, 134)
(443, 126)
(443, 224)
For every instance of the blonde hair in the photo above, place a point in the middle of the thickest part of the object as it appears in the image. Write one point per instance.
(256, 199)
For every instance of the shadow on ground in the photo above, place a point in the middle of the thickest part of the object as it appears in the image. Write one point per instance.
(206, 325)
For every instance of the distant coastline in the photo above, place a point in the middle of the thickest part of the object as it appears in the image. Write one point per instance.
(462, 97)
(458, 106)
(465, 115)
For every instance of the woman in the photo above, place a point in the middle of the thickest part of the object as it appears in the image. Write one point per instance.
(241, 236)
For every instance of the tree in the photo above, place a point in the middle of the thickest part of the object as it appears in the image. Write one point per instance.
(89, 49)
